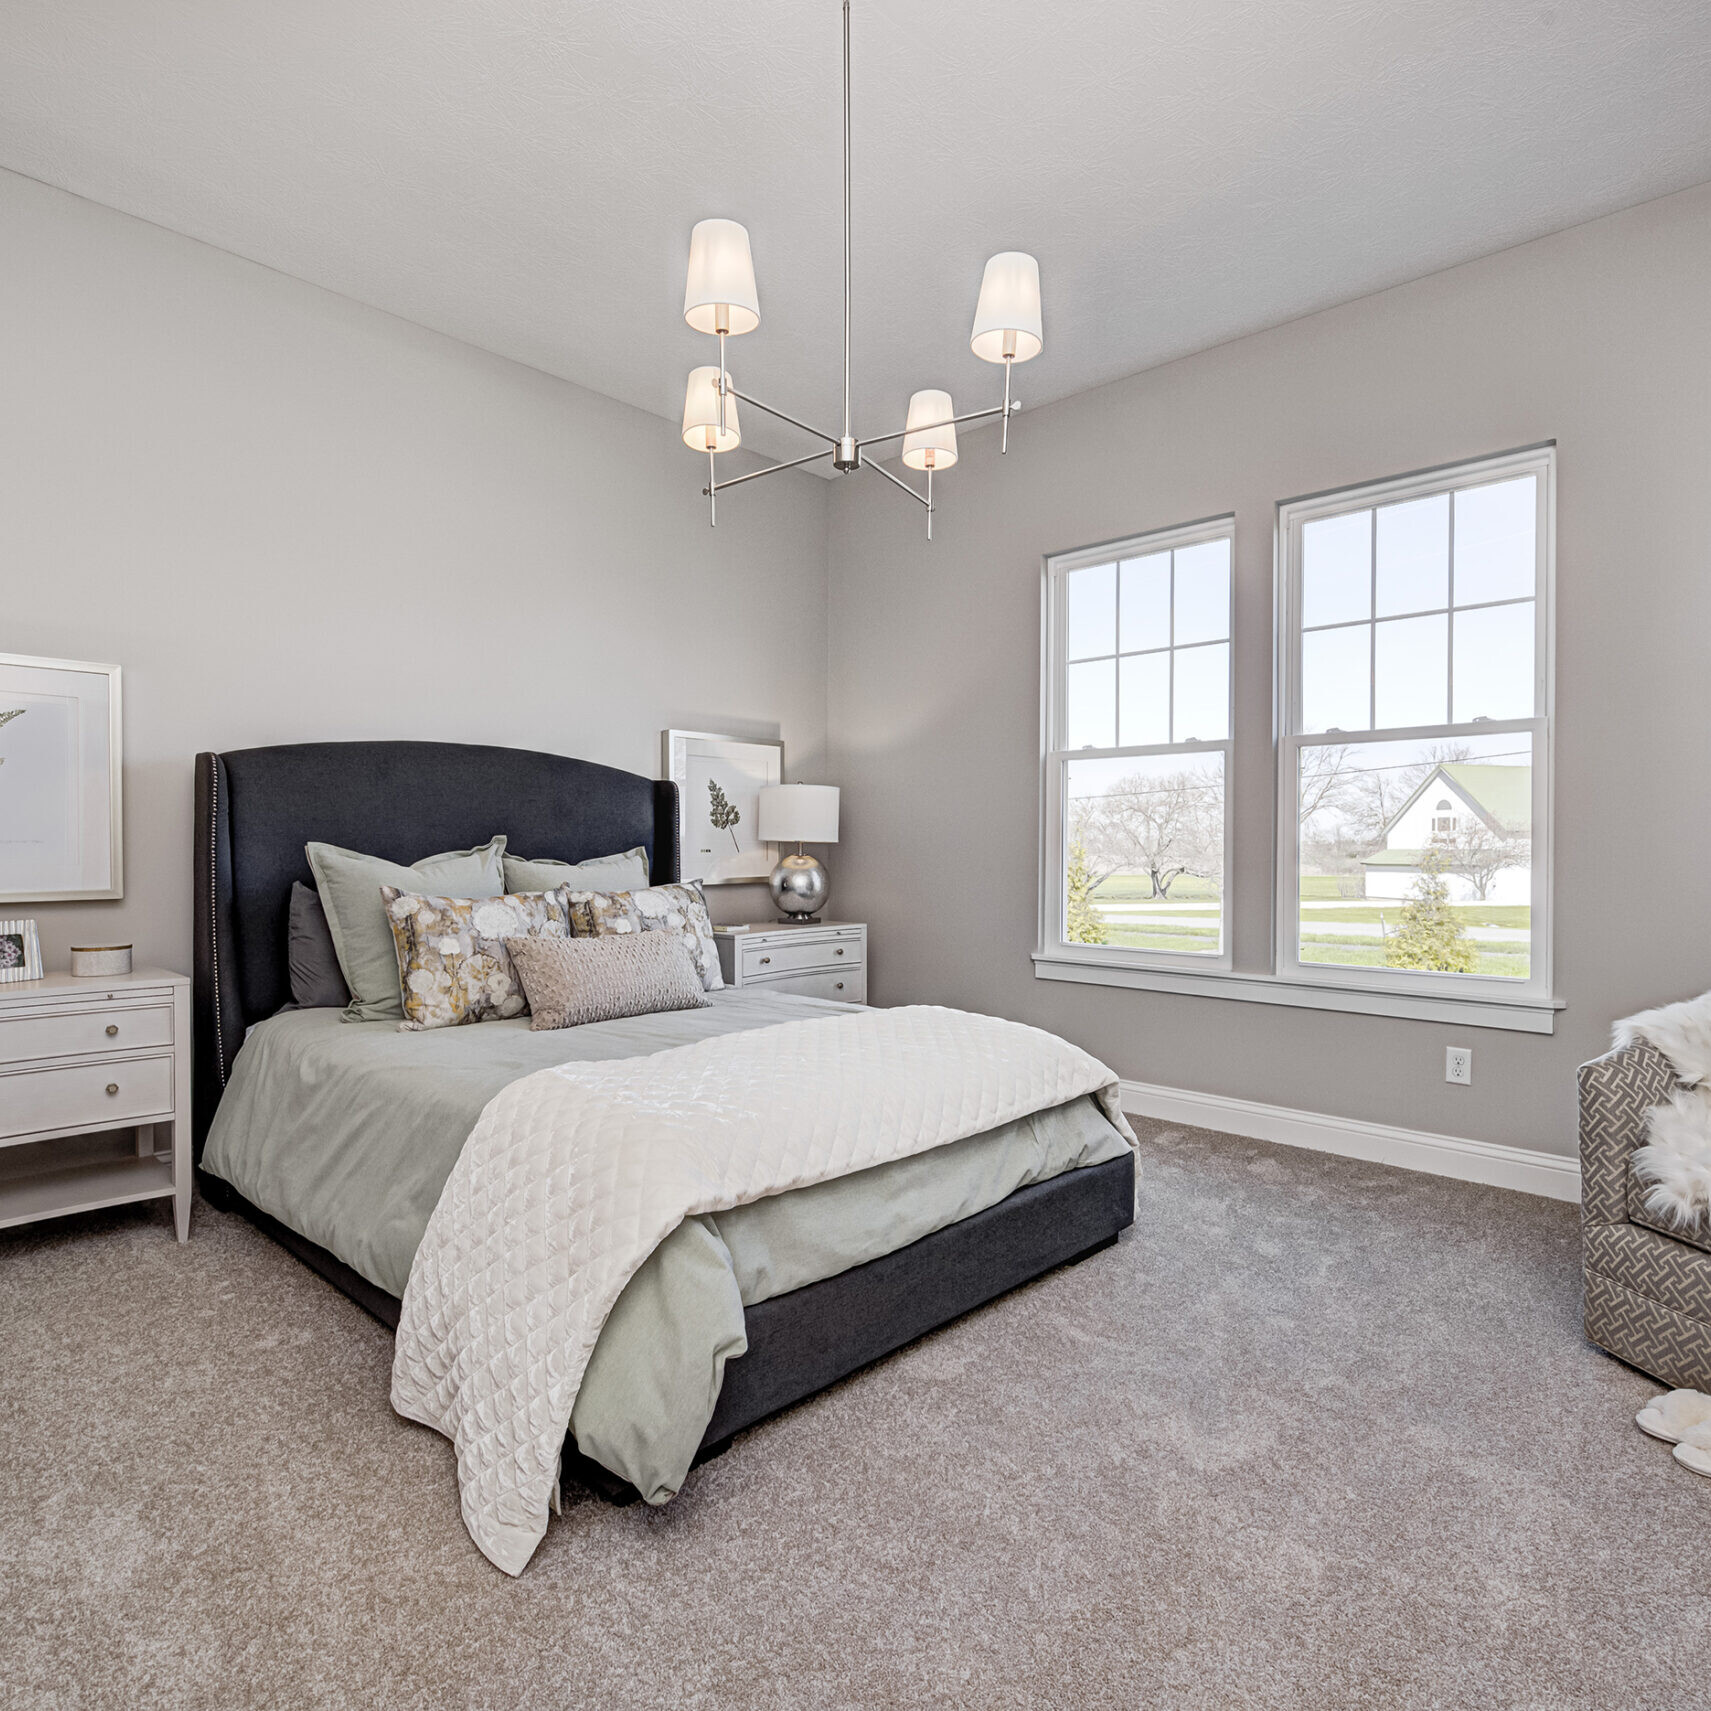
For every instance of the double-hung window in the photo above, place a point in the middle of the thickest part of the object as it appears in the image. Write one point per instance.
(1411, 824)
(1137, 751)
(1414, 751)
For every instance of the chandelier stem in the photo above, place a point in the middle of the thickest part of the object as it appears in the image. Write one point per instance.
(1005, 446)
(929, 501)
(712, 491)
(721, 382)
(848, 433)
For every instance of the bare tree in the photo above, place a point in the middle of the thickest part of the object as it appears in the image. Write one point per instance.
(1163, 825)
(1324, 782)
(1479, 853)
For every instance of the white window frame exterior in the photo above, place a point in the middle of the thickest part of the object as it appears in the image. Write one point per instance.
(1514, 996)
(1055, 957)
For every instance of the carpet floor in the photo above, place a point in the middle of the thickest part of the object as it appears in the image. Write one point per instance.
(1315, 1434)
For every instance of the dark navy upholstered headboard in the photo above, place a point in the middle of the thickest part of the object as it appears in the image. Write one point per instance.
(257, 808)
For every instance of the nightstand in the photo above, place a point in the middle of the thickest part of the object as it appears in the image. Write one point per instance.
(818, 959)
(80, 1058)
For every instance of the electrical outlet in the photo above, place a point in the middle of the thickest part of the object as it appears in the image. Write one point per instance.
(1458, 1065)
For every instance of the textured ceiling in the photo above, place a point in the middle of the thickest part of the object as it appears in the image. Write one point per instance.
(524, 175)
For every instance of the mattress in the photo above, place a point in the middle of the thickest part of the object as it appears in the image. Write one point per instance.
(346, 1132)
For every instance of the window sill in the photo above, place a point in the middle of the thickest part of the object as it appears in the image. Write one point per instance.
(1524, 1016)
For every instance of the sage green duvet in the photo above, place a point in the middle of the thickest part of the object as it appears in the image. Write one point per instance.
(347, 1131)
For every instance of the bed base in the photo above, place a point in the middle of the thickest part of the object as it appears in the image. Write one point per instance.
(802, 1342)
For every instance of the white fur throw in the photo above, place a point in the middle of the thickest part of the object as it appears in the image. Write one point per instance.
(1676, 1160)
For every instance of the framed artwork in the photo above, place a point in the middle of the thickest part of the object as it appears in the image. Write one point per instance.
(60, 819)
(718, 783)
(20, 951)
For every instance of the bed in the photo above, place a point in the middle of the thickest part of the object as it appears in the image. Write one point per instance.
(344, 1178)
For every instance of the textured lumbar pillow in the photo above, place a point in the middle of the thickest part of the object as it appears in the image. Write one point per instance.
(349, 884)
(572, 981)
(624, 872)
(453, 965)
(680, 910)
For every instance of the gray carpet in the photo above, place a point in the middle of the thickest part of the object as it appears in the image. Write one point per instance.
(1317, 1433)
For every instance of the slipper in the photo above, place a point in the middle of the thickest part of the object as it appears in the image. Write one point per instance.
(1694, 1450)
(1674, 1414)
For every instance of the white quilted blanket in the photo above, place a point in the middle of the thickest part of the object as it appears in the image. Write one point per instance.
(573, 1176)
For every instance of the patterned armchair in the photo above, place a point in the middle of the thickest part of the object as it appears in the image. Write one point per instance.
(1648, 1288)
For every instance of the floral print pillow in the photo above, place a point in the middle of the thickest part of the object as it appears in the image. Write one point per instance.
(452, 963)
(679, 909)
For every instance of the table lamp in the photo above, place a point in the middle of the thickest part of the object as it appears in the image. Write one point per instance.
(799, 814)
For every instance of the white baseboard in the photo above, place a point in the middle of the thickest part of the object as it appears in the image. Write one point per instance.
(1549, 1174)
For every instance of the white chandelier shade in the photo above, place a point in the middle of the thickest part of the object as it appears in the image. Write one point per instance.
(701, 415)
(1007, 326)
(929, 442)
(720, 296)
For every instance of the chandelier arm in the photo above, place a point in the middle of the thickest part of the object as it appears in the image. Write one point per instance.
(880, 469)
(819, 434)
(771, 469)
(949, 422)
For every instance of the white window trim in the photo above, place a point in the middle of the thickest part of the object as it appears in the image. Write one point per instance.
(1051, 948)
(1484, 1001)
(1535, 993)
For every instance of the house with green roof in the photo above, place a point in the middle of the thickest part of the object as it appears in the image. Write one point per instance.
(1478, 818)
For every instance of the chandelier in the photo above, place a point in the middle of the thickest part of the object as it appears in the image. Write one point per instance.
(721, 300)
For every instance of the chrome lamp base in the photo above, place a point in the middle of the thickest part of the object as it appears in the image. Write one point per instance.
(800, 886)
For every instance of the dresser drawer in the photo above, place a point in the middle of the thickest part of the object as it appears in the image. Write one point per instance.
(760, 960)
(87, 1095)
(75, 1034)
(849, 986)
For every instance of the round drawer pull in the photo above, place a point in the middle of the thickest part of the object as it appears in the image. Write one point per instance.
(765, 960)
(840, 986)
(837, 953)
(112, 1087)
(112, 1029)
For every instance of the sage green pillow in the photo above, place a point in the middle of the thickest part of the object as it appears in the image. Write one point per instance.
(626, 872)
(350, 882)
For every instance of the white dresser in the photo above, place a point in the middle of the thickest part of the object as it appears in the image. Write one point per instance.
(819, 959)
(80, 1059)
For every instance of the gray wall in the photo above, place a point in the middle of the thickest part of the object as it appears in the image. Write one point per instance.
(291, 517)
(1599, 338)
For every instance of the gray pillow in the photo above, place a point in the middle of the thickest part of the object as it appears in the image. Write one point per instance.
(316, 983)
(626, 872)
(350, 883)
(572, 981)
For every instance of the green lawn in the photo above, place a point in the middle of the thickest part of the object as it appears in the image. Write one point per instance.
(1147, 938)
(1323, 886)
(1137, 888)
(1367, 953)
(1187, 907)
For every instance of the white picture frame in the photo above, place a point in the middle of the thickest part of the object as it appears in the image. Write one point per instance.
(718, 781)
(61, 766)
(20, 952)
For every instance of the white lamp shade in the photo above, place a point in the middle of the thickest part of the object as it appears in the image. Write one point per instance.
(926, 446)
(798, 814)
(1008, 313)
(701, 412)
(721, 295)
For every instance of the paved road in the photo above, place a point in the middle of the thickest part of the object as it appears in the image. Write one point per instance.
(1135, 913)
